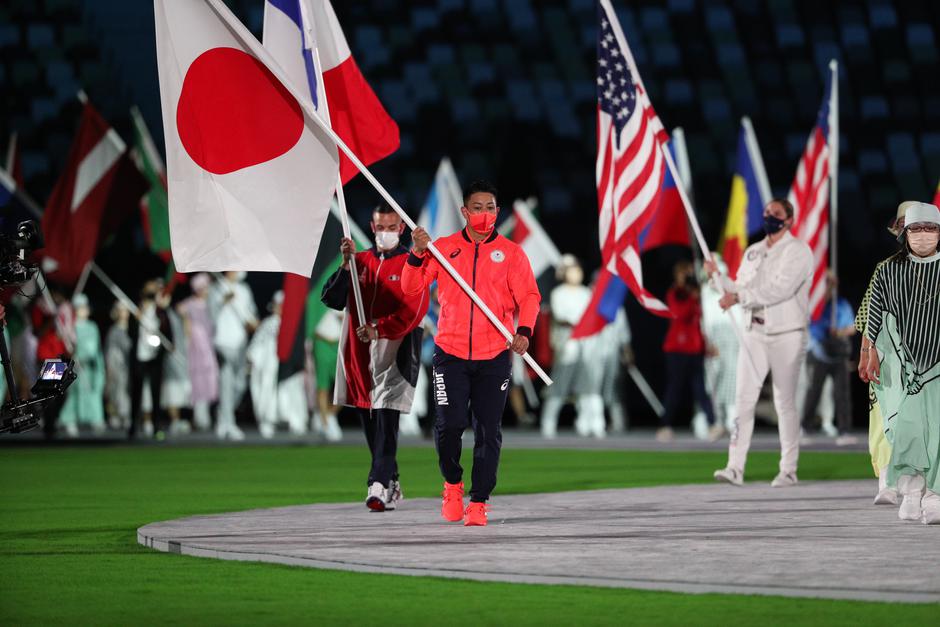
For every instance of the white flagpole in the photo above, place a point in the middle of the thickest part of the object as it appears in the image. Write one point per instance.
(834, 185)
(11, 153)
(308, 37)
(251, 42)
(677, 139)
(82, 280)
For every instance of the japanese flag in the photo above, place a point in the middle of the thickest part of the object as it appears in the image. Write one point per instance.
(250, 173)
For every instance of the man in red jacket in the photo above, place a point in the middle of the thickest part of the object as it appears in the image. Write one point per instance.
(472, 366)
(380, 356)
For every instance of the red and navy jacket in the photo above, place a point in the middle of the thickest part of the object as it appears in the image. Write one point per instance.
(498, 270)
(685, 329)
(395, 316)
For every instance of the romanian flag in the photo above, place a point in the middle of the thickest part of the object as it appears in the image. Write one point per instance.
(750, 192)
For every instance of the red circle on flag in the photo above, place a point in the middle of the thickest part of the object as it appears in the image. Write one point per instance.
(234, 113)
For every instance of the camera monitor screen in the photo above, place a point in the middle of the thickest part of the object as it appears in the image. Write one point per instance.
(52, 370)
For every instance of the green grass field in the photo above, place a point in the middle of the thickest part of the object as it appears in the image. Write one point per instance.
(69, 554)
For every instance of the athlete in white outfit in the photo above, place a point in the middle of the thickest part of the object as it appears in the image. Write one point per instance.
(773, 288)
(232, 307)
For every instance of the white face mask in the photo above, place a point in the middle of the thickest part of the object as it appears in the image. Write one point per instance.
(923, 244)
(386, 240)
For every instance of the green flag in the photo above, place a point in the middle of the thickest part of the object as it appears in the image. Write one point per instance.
(154, 205)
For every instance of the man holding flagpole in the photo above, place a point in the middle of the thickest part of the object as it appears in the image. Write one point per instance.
(380, 356)
(472, 366)
(772, 286)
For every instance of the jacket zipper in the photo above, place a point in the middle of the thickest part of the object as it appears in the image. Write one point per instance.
(375, 287)
(473, 284)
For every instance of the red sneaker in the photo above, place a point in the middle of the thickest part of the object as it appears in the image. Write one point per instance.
(475, 516)
(452, 506)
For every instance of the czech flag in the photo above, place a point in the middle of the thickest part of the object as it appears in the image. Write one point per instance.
(750, 192)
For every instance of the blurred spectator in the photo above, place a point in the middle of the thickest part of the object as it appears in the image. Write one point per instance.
(84, 402)
(117, 351)
(176, 392)
(568, 302)
(829, 356)
(684, 348)
(147, 355)
(232, 306)
(325, 350)
(274, 400)
(203, 366)
(721, 355)
(616, 352)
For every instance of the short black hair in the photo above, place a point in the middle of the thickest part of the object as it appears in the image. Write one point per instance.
(786, 204)
(383, 207)
(478, 186)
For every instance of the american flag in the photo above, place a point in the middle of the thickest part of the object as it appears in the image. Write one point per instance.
(630, 162)
(809, 196)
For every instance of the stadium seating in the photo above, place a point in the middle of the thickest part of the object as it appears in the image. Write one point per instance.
(488, 81)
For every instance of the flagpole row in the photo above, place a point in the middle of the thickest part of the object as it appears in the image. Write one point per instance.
(118, 293)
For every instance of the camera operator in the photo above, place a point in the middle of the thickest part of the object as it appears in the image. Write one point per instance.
(49, 328)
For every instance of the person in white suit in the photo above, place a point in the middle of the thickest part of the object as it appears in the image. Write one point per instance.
(772, 287)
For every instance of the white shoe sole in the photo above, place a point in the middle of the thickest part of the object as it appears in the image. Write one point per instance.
(887, 497)
(728, 480)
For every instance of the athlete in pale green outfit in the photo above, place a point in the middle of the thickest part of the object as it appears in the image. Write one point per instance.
(904, 326)
(85, 400)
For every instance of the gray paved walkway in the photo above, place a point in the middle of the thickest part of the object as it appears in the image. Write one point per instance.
(821, 539)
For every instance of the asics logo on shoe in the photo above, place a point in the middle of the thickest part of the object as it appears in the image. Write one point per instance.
(504, 385)
(440, 389)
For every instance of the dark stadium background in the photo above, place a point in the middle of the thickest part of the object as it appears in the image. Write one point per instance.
(506, 90)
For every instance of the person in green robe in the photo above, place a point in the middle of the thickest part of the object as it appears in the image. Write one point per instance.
(84, 402)
(904, 362)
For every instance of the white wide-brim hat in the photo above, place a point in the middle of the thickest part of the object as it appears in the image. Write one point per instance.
(918, 212)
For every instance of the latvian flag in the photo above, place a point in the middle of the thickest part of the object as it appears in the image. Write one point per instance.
(99, 187)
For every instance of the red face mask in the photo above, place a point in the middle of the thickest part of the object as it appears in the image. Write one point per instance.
(482, 222)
